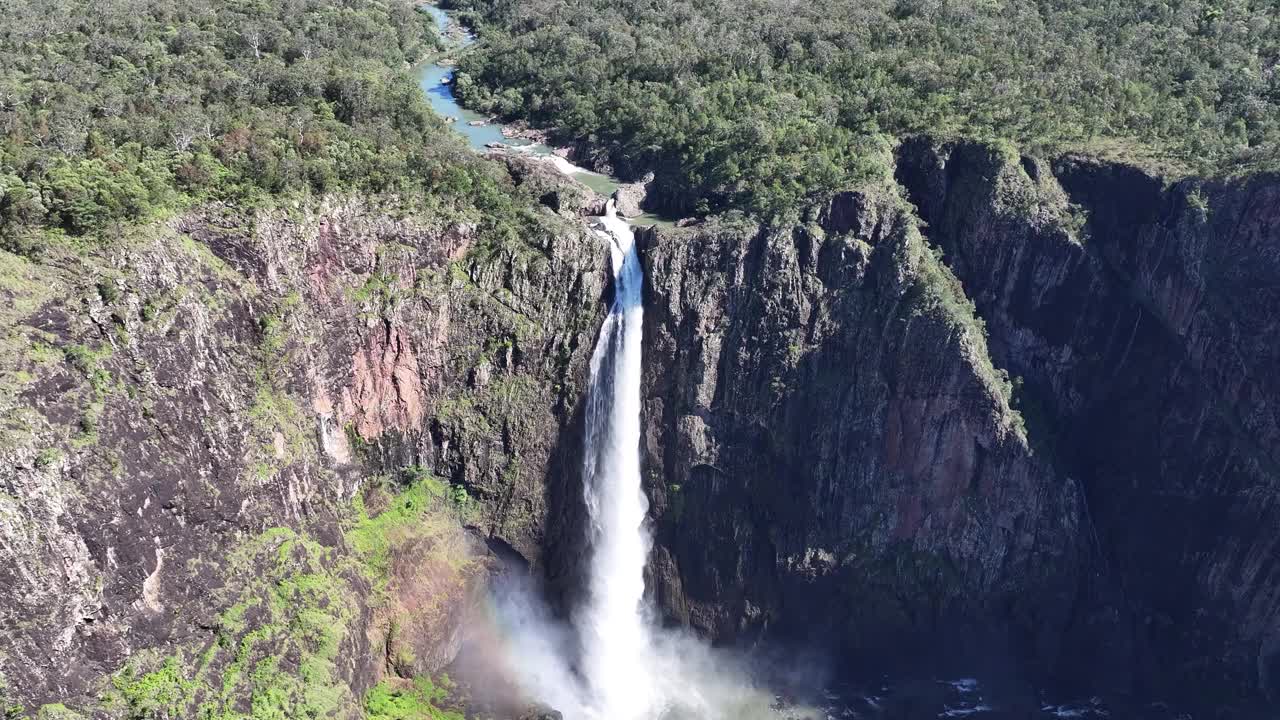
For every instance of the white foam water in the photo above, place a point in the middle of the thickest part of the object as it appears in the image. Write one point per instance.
(611, 622)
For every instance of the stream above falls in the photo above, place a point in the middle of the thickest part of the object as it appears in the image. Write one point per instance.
(483, 133)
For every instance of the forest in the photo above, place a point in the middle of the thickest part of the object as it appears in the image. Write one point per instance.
(113, 112)
(757, 104)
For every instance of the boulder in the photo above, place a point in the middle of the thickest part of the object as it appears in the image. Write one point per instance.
(630, 198)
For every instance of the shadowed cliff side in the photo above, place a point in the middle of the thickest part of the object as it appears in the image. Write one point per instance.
(1143, 321)
(832, 454)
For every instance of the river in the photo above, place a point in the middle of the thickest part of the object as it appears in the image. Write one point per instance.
(432, 79)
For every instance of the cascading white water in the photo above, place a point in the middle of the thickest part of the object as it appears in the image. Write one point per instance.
(615, 638)
(625, 668)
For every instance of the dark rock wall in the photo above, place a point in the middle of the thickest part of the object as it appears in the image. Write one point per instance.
(832, 454)
(1142, 320)
(833, 458)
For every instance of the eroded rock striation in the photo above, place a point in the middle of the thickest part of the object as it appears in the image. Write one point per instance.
(832, 452)
(1025, 422)
(1143, 319)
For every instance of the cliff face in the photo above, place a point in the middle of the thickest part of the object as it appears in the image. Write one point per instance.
(192, 417)
(832, 454)
(1034, 434)
(1144, 321)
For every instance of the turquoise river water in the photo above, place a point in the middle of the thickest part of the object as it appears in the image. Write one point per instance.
(436, 81)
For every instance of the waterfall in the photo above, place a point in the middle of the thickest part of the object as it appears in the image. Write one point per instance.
(614, 635)
(612, 662)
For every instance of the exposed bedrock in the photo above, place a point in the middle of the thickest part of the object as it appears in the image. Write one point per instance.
(832, 454)
(1143, 321)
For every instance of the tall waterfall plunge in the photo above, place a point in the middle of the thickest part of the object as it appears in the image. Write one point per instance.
(614, 635)
(612, 662)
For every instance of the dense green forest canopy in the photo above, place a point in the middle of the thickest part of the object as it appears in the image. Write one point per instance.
(115, 110)
(759, 102)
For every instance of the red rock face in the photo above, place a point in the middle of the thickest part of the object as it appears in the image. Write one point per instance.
(386, 390)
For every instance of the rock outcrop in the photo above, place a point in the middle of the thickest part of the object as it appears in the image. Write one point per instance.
(832, 453)
(542, 180)
(631, 197)
(1144, 322)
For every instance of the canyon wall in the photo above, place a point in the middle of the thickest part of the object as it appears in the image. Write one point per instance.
(1012, 416)
(1144, 320)
(833, 455)
(1025, 416)
(206, 422)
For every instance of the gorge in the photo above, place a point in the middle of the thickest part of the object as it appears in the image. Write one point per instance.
(994, 435)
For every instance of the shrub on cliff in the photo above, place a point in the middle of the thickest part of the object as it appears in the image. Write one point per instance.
(416, 700)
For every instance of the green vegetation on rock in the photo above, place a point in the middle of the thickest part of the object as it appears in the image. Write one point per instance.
(291, 604)
(416, 700)
(57, 711)
(408, 513)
